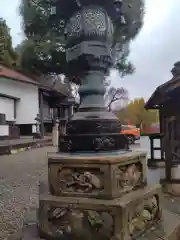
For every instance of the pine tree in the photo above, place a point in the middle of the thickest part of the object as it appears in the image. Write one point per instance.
(7, 54)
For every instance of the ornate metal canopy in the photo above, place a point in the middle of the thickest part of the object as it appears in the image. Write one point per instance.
(65, 9)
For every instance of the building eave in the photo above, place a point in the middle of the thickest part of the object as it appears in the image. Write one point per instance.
(9, 96)
(162, 93)
(18, 80)
(14, 75)
(56, 87)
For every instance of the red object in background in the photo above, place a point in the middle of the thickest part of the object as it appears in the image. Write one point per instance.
(130, 130)
(153, 129)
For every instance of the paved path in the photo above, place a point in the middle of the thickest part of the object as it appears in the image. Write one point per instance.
(19, 177)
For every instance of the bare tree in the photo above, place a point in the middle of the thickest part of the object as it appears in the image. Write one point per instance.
(115, 95)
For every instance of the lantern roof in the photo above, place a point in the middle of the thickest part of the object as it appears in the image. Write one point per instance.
(66, 8)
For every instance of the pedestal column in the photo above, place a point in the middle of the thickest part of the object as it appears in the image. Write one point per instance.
(92, 92)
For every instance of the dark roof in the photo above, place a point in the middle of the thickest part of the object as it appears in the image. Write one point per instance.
(43, 83)
(14, 75)
(162, 93)
(53, 85)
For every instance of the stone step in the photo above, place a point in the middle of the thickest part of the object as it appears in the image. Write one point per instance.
(167, 229)
(123, 218)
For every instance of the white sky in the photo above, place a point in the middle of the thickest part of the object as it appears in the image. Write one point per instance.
(9, 10)
(153, 52)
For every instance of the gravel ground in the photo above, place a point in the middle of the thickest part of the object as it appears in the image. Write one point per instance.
(19, 178)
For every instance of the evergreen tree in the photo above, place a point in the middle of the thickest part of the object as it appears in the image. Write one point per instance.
(7, 54)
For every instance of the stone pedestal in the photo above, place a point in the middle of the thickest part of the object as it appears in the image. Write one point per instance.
(84, 218)
(167, 229)
(104, 176)
(97, 196)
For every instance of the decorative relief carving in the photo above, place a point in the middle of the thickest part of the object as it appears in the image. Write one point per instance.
(75, 24)
(94, 21)
(80, 223)
(89, 142)
(78, 180)
(91, 21)
(144, 216)
(101, 126)
(103, 143)
(129, 177)
(108, 127)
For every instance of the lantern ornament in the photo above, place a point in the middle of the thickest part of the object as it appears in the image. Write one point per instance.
(89, 27)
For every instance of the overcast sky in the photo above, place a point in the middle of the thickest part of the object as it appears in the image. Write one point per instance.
(153, 52)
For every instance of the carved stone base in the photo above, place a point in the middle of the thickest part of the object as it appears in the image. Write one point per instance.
(168, 229)
(82, 218)
(102, 175)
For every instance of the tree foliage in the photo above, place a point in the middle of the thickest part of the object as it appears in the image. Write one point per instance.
(136, 114)
(7, 54)
(44, 49)
(122, 114)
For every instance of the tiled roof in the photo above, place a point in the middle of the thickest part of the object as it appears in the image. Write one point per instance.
(53, 85)
(41, 82)
(10, 73)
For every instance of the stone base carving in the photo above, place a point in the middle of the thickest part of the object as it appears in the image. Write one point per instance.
(96, 175)
(168, 228)
(141, 210)
(82, 218)
(93, 142)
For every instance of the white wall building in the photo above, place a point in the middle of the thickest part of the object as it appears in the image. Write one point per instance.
(19, 101)
(22, 98)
